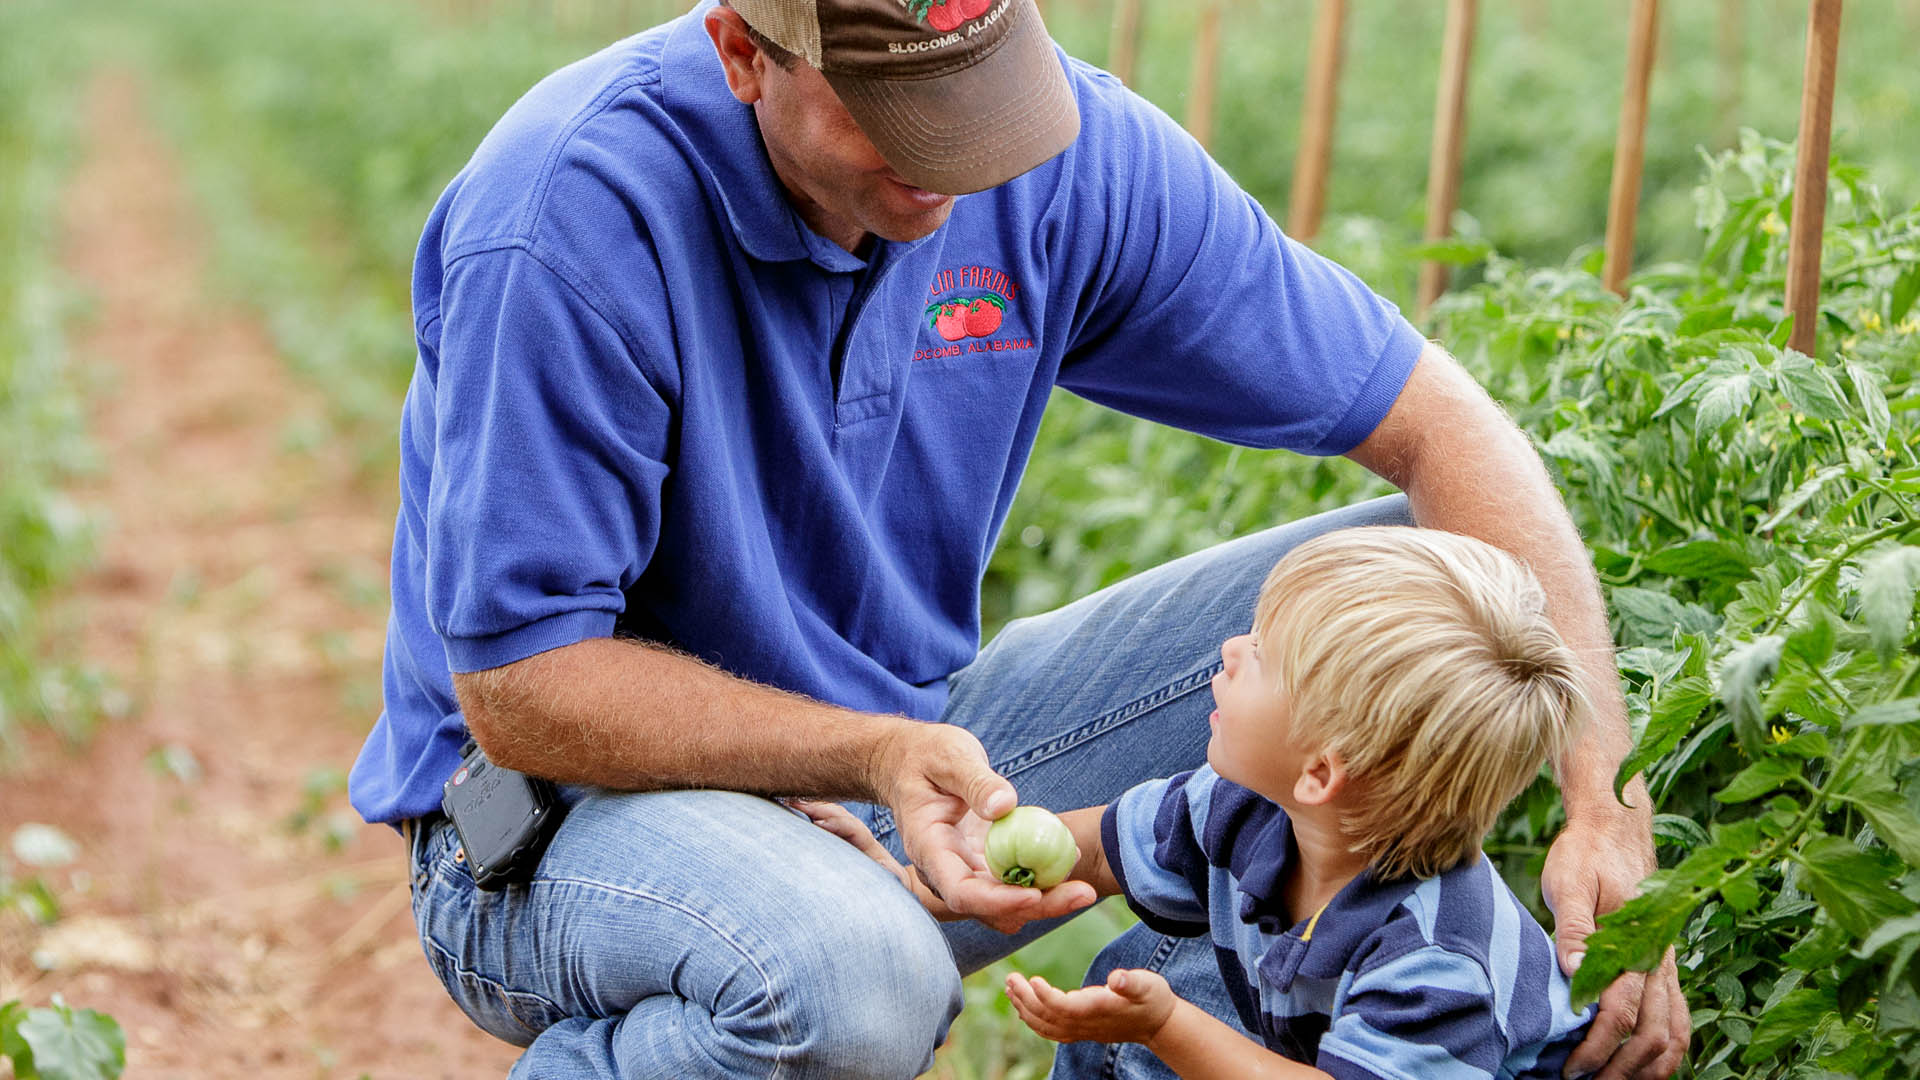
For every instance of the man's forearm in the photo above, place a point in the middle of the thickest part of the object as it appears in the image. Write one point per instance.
(1466, 468)
(631, 716)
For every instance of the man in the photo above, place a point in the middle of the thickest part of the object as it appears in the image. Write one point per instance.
(733, 342)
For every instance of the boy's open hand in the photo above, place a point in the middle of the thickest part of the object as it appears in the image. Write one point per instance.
(1131, 1007)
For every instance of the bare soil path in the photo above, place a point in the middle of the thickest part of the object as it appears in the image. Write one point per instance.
(239, 602)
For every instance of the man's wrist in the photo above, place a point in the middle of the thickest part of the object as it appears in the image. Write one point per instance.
(883, 758)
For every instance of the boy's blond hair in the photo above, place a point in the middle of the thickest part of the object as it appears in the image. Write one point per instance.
(1426, 660)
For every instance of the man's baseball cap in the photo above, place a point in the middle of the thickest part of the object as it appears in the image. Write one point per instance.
(957, 95)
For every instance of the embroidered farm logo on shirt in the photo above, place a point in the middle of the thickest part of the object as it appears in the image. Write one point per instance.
(970, 306)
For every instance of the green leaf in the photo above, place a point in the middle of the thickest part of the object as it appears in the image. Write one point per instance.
(1825, 943)
(1905, 932)
(1634, 938)
(1813, 640)
(1891, 818)
(1801, 496)
(1679, 830)
(1722, 398)
(1794, 1016)
(1888, 579)
(1902, 711)
(70, 1045)
(1808, 388)
(1850, 884)
(1873, 401)
(1701, 559)
(1742, 892)
(1679, 705)
(1757, 779)
(12, 1046)
(1650, 618)
(1697, 648)
(1744, 673)
(1904, 291)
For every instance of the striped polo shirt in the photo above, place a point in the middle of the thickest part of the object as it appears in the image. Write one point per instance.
(1423, 979)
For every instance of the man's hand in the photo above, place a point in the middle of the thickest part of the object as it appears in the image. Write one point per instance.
(936, 779)
(1593, 867)
(1132, 1007)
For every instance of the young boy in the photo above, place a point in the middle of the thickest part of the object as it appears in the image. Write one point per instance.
(1399, 688)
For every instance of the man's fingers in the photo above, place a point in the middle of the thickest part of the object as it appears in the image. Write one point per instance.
(1619, 1012)
(1570, 933)
(1633, 1057)
(986, 792)
(1679, 1027)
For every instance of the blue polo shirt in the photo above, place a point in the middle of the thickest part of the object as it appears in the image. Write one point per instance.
(650, 400)
(1443, 978)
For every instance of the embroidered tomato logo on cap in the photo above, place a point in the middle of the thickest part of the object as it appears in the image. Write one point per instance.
(946, 15)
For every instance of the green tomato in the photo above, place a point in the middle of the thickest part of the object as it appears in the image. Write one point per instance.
(1031, 847)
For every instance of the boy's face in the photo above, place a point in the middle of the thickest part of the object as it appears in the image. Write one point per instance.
(1251, 743)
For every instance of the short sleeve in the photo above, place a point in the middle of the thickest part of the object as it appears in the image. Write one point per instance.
(1150, 842)
(549, 447)
(1207, 318)
(1427, 1014)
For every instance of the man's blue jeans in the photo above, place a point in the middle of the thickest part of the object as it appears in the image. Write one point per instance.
(713, 934)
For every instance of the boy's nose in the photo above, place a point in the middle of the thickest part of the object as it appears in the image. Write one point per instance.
(1233, 648)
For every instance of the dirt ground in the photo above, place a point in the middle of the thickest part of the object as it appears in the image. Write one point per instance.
(238, 603)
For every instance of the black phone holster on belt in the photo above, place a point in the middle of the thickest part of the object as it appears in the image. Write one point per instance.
(504, 818)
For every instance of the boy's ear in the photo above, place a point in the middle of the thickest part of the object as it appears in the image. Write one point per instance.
(1322, 778)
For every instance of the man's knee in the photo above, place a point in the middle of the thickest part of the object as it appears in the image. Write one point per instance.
(870, 994)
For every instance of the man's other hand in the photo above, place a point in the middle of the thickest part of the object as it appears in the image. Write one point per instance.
(1643, 1028)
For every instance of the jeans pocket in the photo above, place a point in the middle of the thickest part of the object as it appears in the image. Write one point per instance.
(512, 1016)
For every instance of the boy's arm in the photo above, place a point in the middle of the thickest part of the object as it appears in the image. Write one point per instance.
(1092, 867)
(1136, 1005)
(1198, 1046)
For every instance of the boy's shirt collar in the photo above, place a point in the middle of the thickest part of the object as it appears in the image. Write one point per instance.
(1320, 945)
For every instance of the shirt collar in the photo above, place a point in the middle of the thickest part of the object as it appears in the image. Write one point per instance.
(1361, 907)
(727, 141)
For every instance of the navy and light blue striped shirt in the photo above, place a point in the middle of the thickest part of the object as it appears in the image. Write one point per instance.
(1446, 978)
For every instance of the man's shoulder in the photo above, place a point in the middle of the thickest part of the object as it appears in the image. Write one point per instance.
(595, 131)
(1118, 126)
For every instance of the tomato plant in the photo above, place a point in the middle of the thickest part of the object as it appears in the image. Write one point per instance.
(1751, 511)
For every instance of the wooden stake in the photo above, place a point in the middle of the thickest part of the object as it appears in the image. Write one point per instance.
(1124, 47)
(1309, 197)
(1810, 173)
(1206, 63)
(1449, 137)
(1630, 147)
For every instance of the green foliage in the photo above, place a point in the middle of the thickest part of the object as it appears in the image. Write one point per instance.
(1751, 512)
(59, 1043)
(44, 538)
